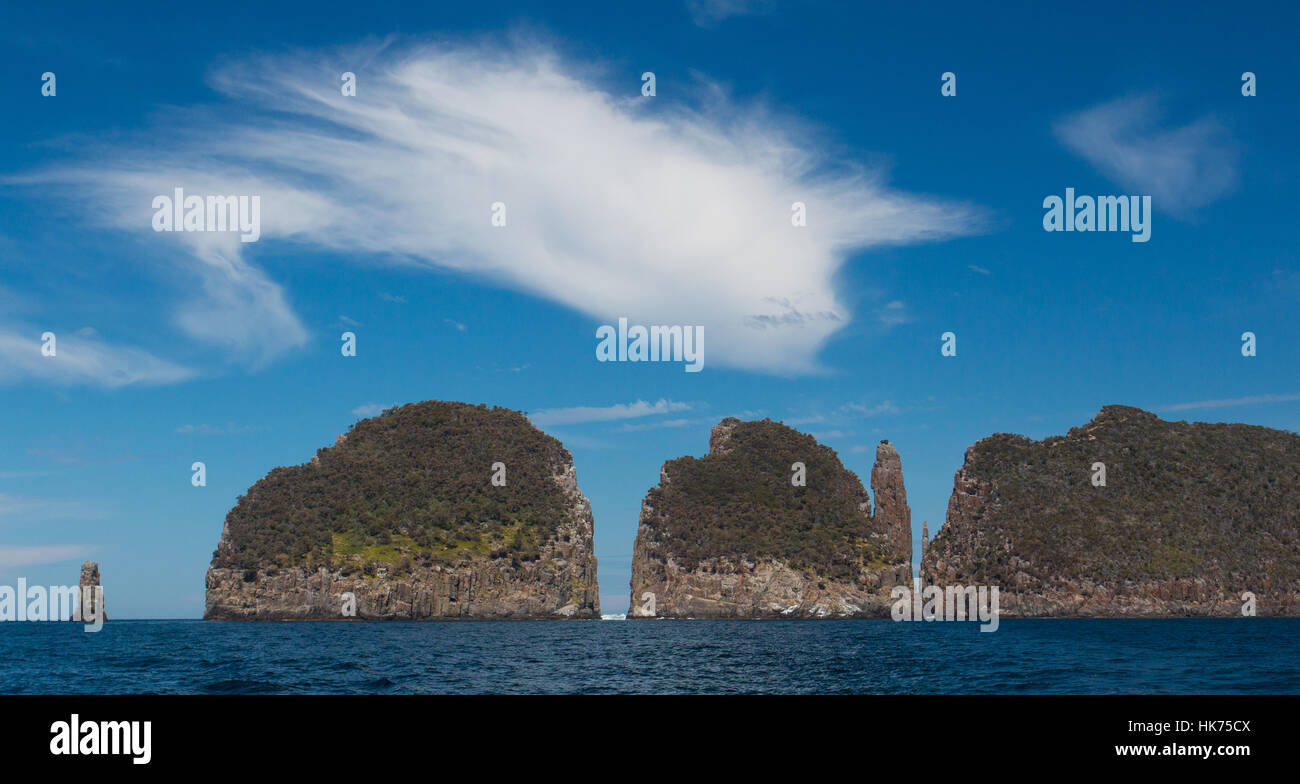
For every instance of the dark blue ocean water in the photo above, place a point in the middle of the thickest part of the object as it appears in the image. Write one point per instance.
(1247, 655)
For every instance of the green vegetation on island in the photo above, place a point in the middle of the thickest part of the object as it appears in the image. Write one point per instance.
(739, 502)
(409, 486)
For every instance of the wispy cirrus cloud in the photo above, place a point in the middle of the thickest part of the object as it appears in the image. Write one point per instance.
(82, 357)
(226, 299)
(869, 409)
(617, 205)
(1182, 167)
(1249, 400)
(846, 412)
(826, 435)
(583, 414)
(370, 409)
(12, 557)
(707, 13)
(23, 474)
(228, 429)
(891, 314)
(641, 427)
(29, 509)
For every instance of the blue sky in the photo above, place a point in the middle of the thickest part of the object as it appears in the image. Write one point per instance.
(924, 216)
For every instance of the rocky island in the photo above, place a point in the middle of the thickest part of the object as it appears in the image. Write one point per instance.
(770, 524)
(431, 510)
(1128, 515)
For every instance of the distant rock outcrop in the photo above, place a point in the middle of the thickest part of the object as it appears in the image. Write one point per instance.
(90, 598)
(730, 535)
(431, 510)
(1128, 515)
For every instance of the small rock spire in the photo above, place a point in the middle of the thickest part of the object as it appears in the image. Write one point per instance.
(720, 437)
(87, 595)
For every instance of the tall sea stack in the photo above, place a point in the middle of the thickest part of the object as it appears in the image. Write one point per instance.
(890, 497)
(90, 600)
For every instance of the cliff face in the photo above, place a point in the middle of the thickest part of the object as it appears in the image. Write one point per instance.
(730, 536)
(1190, 517)
(431, 510)
(892, 512)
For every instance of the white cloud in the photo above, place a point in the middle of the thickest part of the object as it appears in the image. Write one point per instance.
(892, 313)
(1250, 400)
(370, 410)
(583, 414)
(617, 205)
(667, 423)
(13, 557)
(708, 13)
(823, 436)
(227, 301)
(228, 429)
(806, 420)
(864, 410)
(28, 509)
(1181, 168)
(81, 357)
(847, 412)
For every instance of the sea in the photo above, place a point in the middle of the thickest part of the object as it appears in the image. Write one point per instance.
(1023, 656)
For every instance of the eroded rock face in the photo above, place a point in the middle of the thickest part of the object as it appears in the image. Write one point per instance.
(729, 535)
(550, 588)
(387, 528)
(890, 496)
(1191, 517)
(90, 601)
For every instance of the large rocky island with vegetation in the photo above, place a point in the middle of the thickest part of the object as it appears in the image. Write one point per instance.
(1190, 517)
(730, 535)
(402, 518)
